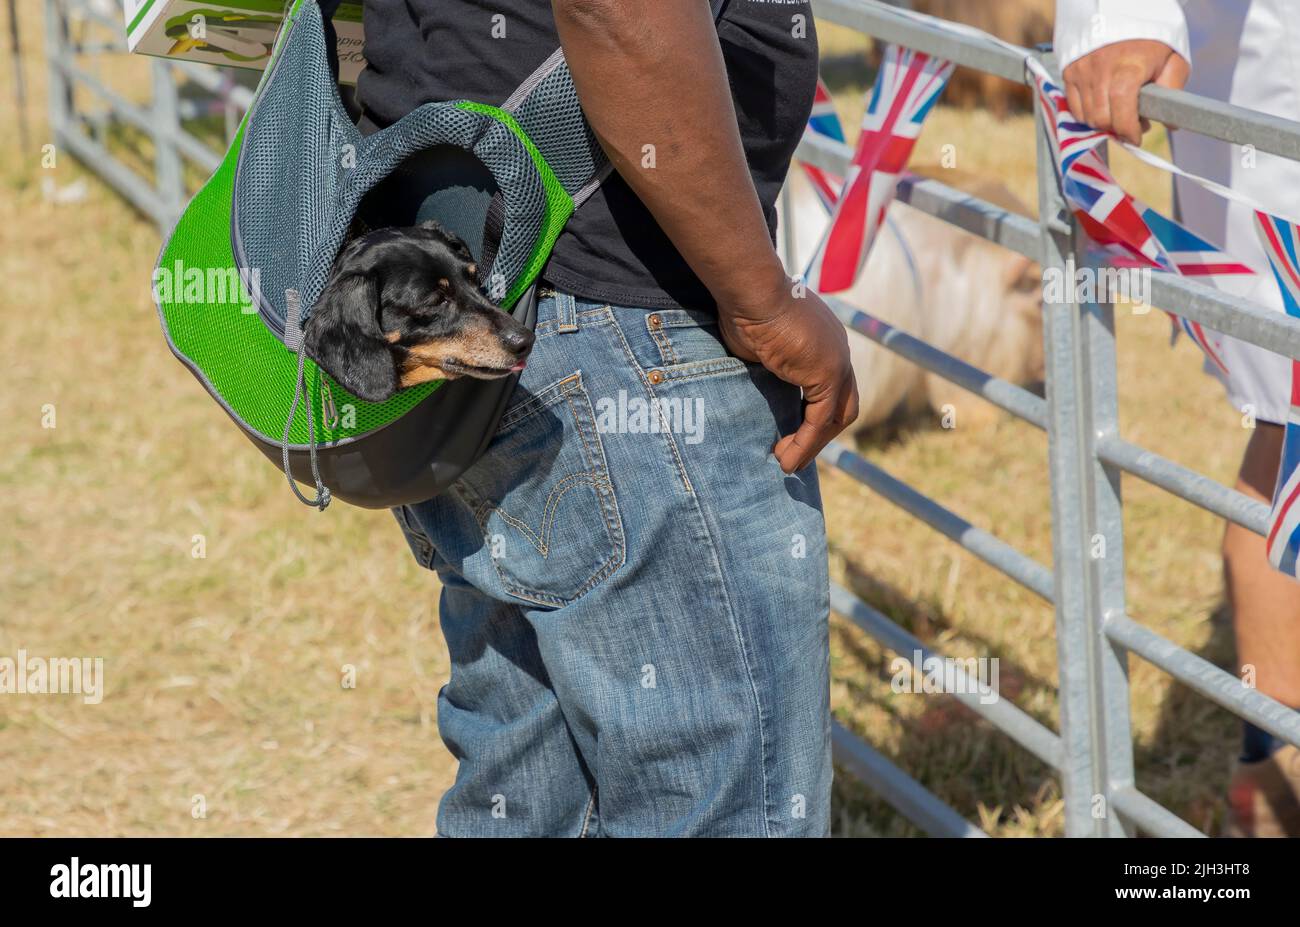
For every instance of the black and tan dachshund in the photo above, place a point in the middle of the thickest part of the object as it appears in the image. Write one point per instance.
(403, 306)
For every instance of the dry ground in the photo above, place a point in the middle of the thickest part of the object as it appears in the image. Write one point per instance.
(224, 673)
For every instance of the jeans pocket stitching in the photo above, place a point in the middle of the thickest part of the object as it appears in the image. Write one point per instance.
(596, 461)
(660, 337)
(545, 598)
(538, 538)
(680, 318)
(695, 370)
(572, 390)
(539, 402)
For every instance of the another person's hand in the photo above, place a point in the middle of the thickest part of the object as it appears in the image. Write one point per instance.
(800, 340)
(1103, 86)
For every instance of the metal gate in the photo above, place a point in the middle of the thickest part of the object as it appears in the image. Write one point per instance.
(87, 115)
(1093, 750)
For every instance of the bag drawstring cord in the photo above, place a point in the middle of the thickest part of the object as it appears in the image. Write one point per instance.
(293, 339)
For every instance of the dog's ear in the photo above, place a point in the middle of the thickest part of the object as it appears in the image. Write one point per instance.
(343, 337)
(452, 241)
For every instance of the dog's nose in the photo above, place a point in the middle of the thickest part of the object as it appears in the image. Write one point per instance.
(517, 340)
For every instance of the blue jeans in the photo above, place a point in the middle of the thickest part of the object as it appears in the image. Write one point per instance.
(634, 596)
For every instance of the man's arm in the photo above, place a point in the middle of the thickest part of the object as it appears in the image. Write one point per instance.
(652, 73)
(1109, 49)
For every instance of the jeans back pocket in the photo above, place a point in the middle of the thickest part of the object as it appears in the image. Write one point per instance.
(688, 344)
(543, 499)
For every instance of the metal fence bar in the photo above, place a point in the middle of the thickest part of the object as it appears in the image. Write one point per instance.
(1200, 674)
(964, 210)
(1226, 313)
(1005, 716)
(190, 147)
(1176, 107)
(214, 83)
(888, 24)
(1083, 773)
(1014, 399)
(997, 553)
(177, 141)
(1184, 483)
(915, 802)
(123, 109)
(1149, 815)
(93, 13)
(161, 196)
(128, 183)
(57, 55)
(1221, 120)
(1104, 557)
(168, 174)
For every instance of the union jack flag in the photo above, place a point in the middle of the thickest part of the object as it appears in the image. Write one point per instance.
(906, 88)
(1282, 244)
(824, 122)
(1128, 231)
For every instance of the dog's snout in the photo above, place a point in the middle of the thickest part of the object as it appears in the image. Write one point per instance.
(517, 340)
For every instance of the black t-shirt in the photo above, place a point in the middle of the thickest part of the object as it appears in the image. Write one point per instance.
(612, 249)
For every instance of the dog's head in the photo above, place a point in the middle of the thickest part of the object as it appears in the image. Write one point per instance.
(402, 307)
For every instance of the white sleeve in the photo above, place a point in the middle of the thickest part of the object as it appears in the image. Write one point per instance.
(1083, 26)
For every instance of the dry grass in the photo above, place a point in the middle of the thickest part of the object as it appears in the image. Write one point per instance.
(223, 673)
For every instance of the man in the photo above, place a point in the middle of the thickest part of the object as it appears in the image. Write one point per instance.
(635, 591)
(1240, 51)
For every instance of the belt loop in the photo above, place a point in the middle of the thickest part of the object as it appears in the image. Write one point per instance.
(566, 310)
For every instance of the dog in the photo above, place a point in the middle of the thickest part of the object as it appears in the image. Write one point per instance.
(403, 306)
(962, 294)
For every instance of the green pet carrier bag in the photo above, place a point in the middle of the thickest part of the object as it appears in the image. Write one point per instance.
(238, 276)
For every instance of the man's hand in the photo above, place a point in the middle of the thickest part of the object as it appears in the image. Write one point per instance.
(800, 340)
(1103, 86)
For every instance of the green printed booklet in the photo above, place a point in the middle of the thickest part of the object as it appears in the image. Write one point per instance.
(231, 33)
